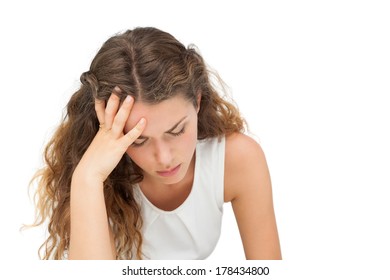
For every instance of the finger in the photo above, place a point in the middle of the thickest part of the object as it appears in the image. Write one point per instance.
(111, 108)
(122, 116)
(99, 108)
(134, 133)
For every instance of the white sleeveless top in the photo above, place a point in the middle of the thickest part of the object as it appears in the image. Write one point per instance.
(191, 231)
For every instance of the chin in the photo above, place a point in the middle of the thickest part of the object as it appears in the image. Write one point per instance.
(173, 180)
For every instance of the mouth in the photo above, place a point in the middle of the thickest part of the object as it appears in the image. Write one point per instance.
(170, 172)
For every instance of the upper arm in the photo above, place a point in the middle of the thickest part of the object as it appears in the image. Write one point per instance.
(248, 187)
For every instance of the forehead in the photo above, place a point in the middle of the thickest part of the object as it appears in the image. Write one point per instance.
(161, 116)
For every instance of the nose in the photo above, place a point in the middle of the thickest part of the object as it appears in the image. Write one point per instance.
(163, 154)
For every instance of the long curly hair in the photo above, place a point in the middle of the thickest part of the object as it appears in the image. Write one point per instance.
(152, 66)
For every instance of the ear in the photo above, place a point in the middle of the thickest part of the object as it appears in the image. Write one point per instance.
(198, 99)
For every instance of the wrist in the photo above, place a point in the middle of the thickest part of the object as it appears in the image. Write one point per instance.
(84, 178)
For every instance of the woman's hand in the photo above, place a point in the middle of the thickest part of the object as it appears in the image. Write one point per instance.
(110, 143)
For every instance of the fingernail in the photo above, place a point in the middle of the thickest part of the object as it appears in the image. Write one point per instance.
(117, 89)
(142, 121)
(128, 99)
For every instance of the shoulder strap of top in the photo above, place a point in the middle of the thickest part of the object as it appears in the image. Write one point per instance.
(211, 153)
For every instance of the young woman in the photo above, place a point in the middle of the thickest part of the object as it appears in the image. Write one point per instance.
(146, 156)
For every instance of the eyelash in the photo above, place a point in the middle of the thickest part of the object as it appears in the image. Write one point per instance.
(178, 133)
(136, 145)
(174, 134)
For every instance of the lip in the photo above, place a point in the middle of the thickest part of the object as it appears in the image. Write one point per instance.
(170, 172)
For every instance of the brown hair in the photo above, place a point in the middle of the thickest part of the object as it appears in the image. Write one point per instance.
(151, 65)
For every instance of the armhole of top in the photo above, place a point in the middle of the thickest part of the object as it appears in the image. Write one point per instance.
(220, 190)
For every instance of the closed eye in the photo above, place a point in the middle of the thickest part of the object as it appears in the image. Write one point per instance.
(142, 139)
(138, 142)
(178, 133)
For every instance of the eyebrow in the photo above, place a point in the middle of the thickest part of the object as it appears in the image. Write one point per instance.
(168, 131)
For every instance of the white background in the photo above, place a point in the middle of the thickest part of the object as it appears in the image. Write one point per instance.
(311, 78)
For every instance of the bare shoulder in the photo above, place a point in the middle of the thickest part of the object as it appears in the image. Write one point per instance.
(248, 188)
(237, 143)
(244, 163)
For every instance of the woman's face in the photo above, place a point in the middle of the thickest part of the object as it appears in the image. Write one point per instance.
(166, 147)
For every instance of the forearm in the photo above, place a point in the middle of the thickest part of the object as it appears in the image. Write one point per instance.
(89, 234)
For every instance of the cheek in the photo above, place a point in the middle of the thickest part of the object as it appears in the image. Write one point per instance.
(188, 143)
(138, 157)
